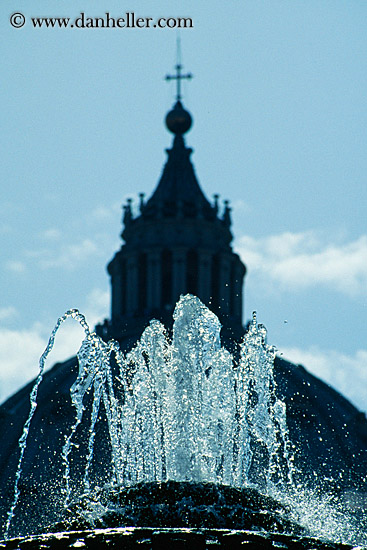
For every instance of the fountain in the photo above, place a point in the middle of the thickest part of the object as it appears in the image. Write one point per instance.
(198, 444)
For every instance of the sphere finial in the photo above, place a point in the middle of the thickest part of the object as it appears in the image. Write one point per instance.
(178, 120)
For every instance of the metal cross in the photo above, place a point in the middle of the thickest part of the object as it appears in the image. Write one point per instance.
(179, 76)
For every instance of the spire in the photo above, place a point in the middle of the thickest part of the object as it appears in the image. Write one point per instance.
(178, 192)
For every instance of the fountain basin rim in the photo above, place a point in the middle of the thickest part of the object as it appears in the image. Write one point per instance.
(138, 534)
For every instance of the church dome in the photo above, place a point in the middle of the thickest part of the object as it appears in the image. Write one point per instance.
(178, 120)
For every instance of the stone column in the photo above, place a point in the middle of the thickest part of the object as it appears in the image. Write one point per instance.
(131, 285)
(237, 288)
(204, 276)
(117, 274)
(178, 274)
(154, 279)
(224, 283)
(116, 295)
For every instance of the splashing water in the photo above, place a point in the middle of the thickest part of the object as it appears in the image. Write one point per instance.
(262, 417)
(72, 313)
(184, 409)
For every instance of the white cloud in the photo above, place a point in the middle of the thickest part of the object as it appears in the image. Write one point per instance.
(51, 234)
(21, 349)
(98, 305)
(303, 260)
(345, 373)
(69, 248)
(16, 266)
(240, 207)
(19, 354)
(70, 256)
(67, 256)
(7, 313)
(103, 213)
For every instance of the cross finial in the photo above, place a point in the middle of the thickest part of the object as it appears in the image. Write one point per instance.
(179, 76)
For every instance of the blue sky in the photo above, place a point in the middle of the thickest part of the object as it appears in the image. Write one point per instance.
(279, 108)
